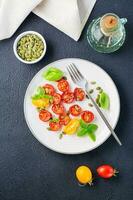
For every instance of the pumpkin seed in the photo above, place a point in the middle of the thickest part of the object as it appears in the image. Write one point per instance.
(98, 88)
(90, 104)
(93, 82)
(91, 91)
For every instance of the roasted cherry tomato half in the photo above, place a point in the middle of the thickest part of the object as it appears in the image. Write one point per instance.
(64, 119)
(54, 126)
(49, 89)
(75, 110)
(63, 85)
(79, 94)
(106, 171)
(56, 98)
(68, 97)
(45, 115)
(58, 109)
(87, 116)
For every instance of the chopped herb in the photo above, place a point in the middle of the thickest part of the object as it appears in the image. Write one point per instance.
(61, 136)
(39, 109)
(91, 91)
(54, 120)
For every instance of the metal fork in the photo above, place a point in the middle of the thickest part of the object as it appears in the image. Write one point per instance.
(79, 80)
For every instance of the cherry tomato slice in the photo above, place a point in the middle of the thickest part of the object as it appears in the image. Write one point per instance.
(79, 94)
(54, 126)
(63, 85)
(56, 98)
(75, 110)
(49, 89)
(87, 116)
(58, 109)
(106, 171)
(45, 115)
(64, 119)
(68, 97)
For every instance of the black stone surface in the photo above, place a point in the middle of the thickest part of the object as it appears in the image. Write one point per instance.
(30, 171)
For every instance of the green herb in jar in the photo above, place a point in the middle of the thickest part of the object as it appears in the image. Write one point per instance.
(30, 47)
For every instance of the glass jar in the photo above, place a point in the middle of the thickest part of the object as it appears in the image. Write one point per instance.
(107, 34)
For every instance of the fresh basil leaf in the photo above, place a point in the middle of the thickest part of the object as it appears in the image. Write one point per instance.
(54, 120)
(53, 74)
(92, 128)
(37, 96)
(81, 132)
(40, 91)
(92, 136)
(104, 100)
(83, 124)
(41, 94)
(91, 131)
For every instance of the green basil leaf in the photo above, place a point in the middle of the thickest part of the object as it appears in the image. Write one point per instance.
(92, 128)
(53, 74)
(54, 120)
(92, 136)
(104, 100)
(83, 124)
(41, 94)
(40, 91)
(81, 132)
(91, 131)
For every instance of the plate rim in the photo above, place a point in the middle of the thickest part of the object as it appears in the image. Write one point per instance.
(30, 128)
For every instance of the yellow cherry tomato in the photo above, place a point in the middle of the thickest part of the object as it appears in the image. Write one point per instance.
(84, 175)
(72, 126)
(40, 103)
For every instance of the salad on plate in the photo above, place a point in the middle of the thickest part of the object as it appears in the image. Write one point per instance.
(60, 107)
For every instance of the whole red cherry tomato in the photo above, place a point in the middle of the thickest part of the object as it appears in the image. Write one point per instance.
(106, 171)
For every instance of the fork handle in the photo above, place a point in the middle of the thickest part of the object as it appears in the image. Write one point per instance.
(103, 118)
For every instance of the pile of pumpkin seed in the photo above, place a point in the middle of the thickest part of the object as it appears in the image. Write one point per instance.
(30, 47)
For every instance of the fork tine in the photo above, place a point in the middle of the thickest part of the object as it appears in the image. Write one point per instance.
(77, 70)
(78, 78)
(71, 74)
(74, 73)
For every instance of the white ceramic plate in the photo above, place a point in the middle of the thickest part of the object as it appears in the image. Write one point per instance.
(73, 144)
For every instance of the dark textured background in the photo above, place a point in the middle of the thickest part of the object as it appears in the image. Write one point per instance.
(28, 170)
